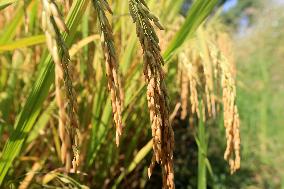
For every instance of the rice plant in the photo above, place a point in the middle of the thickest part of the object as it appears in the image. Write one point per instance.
(69, 71)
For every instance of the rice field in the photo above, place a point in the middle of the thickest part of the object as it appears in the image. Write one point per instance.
(140, 94)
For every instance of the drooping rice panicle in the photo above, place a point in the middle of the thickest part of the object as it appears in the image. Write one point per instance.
(162, 132)
(52, 24)
(113, 76)
(214, 63)
(223, 59)
(231, 116)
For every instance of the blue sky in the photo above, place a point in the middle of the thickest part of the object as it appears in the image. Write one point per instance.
(229, 4)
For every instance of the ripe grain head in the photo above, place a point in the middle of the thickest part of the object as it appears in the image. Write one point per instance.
(162, 133)
(113, 77)
(209, 67)
(52, 23)
(222, 58)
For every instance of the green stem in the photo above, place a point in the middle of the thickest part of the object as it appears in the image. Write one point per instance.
(202, 151)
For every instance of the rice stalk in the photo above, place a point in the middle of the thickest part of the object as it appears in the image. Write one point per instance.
(52, 22)
(202, 149)
(223, 61)
(162, 132)
(113, 77)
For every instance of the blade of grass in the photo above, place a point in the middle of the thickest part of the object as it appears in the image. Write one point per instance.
(10, 31)
(25, 42)
(172, 9)
(137, 159)
(5, 107)
(41, 122)
(33, 17)
(6, 3)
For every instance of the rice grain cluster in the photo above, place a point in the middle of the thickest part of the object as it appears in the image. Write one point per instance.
(114, 81)
(52, 24)
(162, 132)
(231, 117)
(204, 63)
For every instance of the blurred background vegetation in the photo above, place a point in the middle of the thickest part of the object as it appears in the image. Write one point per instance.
(256, 29)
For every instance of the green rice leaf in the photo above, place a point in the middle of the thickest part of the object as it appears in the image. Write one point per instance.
(196, 15)
(25, 42)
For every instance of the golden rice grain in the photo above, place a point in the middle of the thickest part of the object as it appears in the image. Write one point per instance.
(162, 132)
(204, 67)
(63, 119)
(231, 117)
